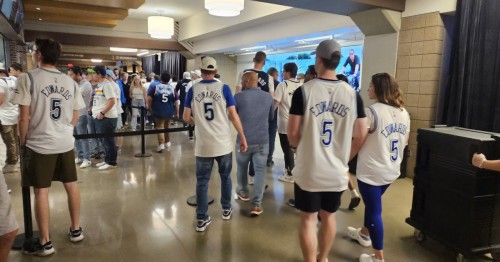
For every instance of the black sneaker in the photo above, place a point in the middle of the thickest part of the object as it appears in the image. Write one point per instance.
(201, 225)
(270, 163)
(354, 203)
(291, 202)
(75, 235)
(227, 213)
(38, 249)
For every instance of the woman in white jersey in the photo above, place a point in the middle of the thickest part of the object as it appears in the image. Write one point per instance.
(138, 95)
(379, 159)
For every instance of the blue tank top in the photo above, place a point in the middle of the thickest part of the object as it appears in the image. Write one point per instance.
(163, 101)
(263, 79)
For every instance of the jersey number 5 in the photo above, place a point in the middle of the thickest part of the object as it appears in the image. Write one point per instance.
(209, 111)
(55, 108)
(327, 133)
(394, 150)
(164, 98)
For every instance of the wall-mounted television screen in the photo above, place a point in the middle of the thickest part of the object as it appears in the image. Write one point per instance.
(13, 11)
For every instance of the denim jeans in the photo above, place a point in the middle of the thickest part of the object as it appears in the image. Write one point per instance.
(82, 145)
(108, 126)
(203, 170)
(95, 143)
(258, 155)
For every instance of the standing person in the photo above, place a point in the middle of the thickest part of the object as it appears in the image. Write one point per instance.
(255, 121)
(283, 101)
(355, 68)
(9, 114)
(196, 78)
(266, 84)
(379, 159)
(82, 146)
(8, 222)
(96, 144)
(273, 123)
(208, 101)
(105, 115)
(118, 105)
(127, 101)
(47, 117)
(138, 94)
(326, 127)
(15, 70)
(162, 103)
(180, 91)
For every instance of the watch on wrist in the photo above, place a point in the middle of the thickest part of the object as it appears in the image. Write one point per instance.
(102, 113)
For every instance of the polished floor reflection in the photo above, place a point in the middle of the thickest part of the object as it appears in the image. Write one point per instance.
(138, 212)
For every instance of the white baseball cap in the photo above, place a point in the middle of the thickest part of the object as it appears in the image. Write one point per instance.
(208, 63)
(186, 75)
(196, 72)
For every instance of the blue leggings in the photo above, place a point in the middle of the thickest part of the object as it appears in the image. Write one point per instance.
(372, 196)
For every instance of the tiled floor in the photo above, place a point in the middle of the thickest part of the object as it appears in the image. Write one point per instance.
(138, 212)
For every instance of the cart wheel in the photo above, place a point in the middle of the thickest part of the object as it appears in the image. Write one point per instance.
(496, 255)
(461, 258)
(419, 235)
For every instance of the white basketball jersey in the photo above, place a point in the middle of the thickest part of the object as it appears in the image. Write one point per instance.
(213, 131)
(283, 95)
(380, 156)
(52, 97)
(325, 144)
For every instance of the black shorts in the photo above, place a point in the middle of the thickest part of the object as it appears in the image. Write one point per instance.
(40, 170)
(312, 202)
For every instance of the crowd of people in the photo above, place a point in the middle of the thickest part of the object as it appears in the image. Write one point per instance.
(320, 120)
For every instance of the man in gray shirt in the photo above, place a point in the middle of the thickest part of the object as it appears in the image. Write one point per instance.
(255, 108)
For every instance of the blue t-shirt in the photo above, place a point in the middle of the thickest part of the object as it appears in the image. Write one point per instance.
(122, 93)
(163, 105)
(255, 108)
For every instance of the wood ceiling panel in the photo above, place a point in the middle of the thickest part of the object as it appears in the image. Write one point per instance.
(127, 4)
(63, 19)
(76, 10)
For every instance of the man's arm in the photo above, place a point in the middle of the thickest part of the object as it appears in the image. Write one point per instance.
(294, 123)
(187, 116)
(2, 98)
(75, 117)
(24, 119)
(110, 103)
(359, 134)
(271, 86)
(235, 119)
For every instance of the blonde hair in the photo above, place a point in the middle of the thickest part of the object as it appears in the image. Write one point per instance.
(133, 85)
(387, 91)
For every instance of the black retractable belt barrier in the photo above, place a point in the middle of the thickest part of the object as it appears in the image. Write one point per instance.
(143, 136)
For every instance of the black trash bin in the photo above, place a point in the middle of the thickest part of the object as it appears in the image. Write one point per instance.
(453, 201)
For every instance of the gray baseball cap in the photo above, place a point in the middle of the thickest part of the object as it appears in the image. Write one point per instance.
(326, 48)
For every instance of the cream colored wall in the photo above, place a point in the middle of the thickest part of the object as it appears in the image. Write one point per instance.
(418, 7)
(418, 71)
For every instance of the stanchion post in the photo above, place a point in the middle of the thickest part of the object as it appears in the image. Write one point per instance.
(143, 136)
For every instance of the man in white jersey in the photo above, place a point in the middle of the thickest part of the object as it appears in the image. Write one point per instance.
(8, 222)
(49, 102)
(9, 114)
(212, 106)
(104, 111)
(82, 146)
(325, 128)
(283, 101)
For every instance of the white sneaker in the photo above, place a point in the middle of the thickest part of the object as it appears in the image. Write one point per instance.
(286, 178)
(100, 164)
(78, 160)
(85, 163)
(106, 166)
(10, 169)
(160, 148)
(369, 258)
(168, 144)
(251, 180)
(355, 234)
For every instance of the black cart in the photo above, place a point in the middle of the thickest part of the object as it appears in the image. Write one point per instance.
(453, 201)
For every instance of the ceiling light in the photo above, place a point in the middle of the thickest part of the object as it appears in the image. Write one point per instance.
(143, 53)
(307, 46)
(254, 48)
(160, 27)
(124, 50)
(39, 19)
(95, 60)
(305, 40)
(38, 8)
(224, 8)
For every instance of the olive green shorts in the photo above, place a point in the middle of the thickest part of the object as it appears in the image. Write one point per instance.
(39, 170)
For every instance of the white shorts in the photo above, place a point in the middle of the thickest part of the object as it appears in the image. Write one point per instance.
(8, 221)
